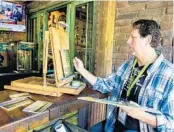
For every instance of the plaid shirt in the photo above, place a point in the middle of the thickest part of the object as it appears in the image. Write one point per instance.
(157, 92)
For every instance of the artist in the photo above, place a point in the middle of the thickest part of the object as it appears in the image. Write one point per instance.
(147, 79)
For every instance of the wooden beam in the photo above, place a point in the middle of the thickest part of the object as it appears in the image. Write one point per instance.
(104, 50)
(36, 6)
(105, 37)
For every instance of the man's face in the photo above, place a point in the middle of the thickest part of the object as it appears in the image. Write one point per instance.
(136, 43)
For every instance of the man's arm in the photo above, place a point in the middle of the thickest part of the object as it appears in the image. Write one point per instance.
(104, 85)
(162, 122)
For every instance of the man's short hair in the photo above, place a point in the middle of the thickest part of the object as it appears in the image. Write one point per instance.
(149, 27)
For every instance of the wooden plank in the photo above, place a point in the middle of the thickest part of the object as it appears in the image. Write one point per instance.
(26, 123)
(32, 82)
(56, 47)
(15, 103)
(39, 80)
(29, 85)
(37, 107)
(48, 90)
(35, 91)
(45, 56)
(19, 95)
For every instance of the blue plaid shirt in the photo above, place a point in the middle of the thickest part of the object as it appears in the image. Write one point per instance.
(157, 92)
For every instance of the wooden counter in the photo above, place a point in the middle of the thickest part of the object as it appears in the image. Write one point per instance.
(18, 121)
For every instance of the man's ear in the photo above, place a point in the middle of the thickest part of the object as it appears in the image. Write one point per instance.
(148, 39)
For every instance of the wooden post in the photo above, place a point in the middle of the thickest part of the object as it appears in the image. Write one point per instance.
(105, 38)
(56, 47)
(104, 50)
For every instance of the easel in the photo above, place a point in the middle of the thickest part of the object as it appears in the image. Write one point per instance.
(39, 85)
(54, 41)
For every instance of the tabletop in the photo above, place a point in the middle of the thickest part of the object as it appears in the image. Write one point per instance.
(16, 120)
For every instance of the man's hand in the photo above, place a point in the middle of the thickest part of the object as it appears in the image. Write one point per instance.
(78, 64)
(133, 112)
(141, 115)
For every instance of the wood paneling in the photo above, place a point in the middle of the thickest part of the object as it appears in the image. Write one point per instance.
(96, 114)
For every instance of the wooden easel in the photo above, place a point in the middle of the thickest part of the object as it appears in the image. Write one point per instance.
(55, 44)
(39, 85)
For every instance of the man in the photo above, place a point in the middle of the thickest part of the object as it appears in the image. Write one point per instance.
(17, 16)
(146, 79)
